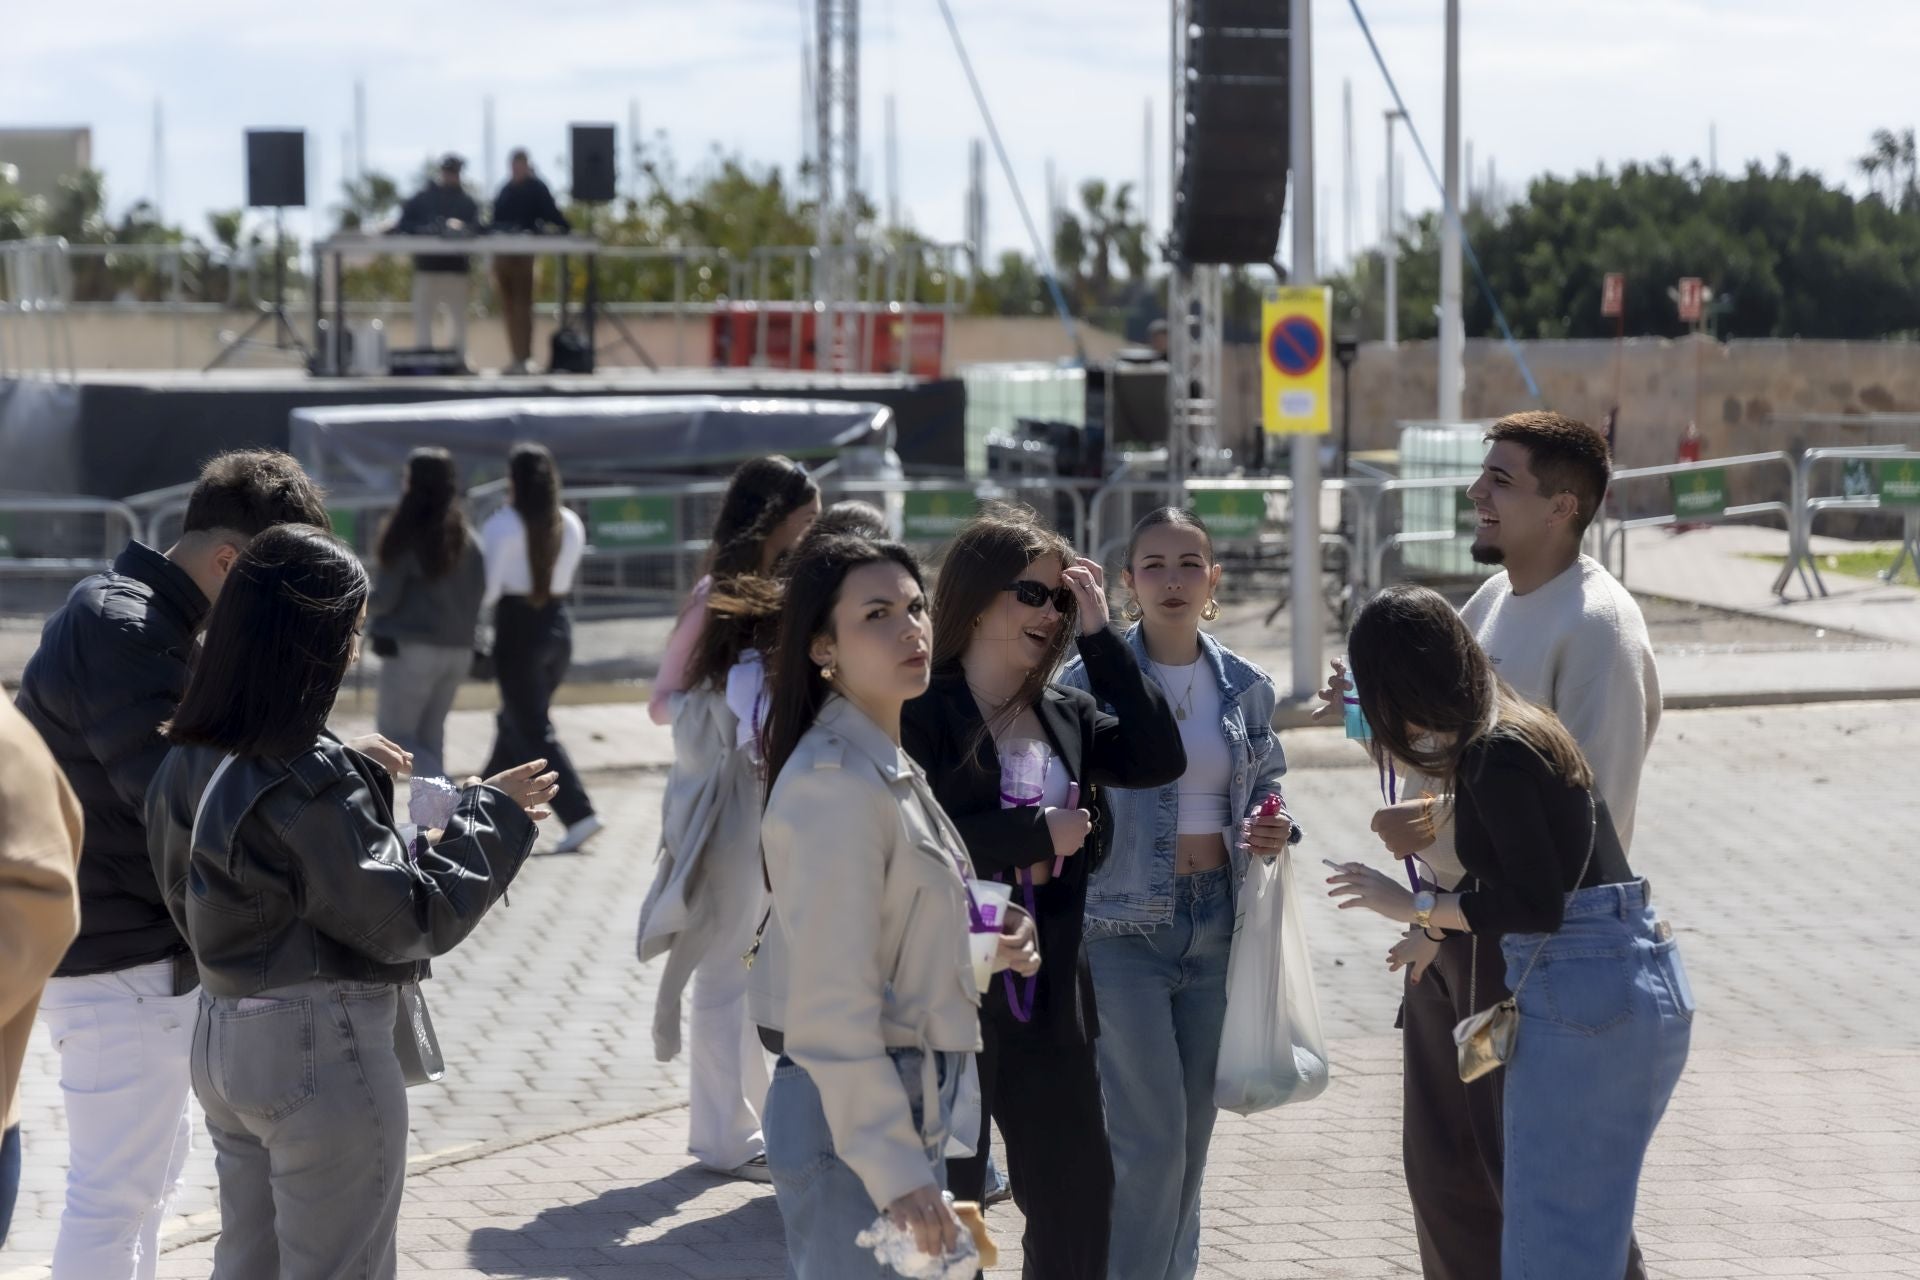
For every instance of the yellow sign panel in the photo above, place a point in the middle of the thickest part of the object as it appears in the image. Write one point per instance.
(1296, 327)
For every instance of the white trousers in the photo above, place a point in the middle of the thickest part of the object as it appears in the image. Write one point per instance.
(433, 290)
(726, 1066)
(125, 1043)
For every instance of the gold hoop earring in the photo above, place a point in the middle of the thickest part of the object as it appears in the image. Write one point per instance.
(1211, 612)
(1133, 611)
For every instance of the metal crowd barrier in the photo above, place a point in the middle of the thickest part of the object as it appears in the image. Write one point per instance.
(36, 288)
(1800, 560)
(48, 544)
(1613, 540)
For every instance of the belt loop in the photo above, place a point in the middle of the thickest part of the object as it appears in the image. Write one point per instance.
(1622, 895)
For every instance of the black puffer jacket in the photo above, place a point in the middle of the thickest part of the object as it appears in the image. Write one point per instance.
(111, 668)
(298, 871)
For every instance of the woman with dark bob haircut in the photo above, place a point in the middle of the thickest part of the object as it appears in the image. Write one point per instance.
(308, 907)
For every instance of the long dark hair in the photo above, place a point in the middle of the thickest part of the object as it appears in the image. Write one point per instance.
(744, 602)
(278, 644)
(428, 522)
(990, 551)
(1164, 517)
(1420, 672)
(536, 496)
(795, 690)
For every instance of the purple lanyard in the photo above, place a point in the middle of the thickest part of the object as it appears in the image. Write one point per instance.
(1390, 792)
(1018, 1002)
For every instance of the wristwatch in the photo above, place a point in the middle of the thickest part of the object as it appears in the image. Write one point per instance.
(1423, 904)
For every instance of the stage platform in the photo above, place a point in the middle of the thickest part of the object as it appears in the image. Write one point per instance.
(112, 433)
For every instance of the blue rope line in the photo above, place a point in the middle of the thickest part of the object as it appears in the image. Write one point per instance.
(1446, 200)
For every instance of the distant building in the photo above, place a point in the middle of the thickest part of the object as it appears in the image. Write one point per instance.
(41, 157)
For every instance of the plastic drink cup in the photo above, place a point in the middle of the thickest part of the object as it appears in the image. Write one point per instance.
(1023, 772)
(991, 901)
(1357, 727)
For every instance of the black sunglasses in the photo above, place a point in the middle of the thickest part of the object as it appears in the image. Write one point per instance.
(1033, 595)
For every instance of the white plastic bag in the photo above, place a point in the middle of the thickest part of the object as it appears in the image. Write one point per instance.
(1272, 1051)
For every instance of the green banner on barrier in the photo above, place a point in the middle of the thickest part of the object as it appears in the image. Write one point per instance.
(1898, 483)
(1232, 515)
(1466, 516)
(631, 523)
(1699, 495)
(935, 515)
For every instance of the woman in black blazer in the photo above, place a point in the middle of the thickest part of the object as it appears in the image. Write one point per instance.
(1011, 597)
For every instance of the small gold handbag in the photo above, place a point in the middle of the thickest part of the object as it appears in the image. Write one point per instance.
(1485, 1041)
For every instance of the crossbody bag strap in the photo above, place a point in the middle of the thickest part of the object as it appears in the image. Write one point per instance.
(1473, 972)
(200, 807)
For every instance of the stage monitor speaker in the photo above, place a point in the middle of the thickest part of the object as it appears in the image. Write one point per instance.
(276, 168)
(593, 163)
(1232, 187)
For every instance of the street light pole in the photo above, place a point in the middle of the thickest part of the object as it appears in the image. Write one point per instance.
(1305, 551)
(1452, 323)
(1391, 334)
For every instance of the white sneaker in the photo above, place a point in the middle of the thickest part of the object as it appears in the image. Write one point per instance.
(579, 833)
(754, 1170)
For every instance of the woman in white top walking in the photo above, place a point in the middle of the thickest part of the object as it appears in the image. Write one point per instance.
(533, 547)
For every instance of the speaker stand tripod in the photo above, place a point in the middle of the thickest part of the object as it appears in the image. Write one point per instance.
(285, 336)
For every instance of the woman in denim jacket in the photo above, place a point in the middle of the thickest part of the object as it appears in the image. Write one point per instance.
(1160, 913)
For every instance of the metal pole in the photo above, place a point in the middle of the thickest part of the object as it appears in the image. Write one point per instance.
(1391, 333)
(1306, 448)
(1452, 325)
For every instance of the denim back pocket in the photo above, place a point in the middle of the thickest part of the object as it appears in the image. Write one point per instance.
(261, 1058)
(1587, 990)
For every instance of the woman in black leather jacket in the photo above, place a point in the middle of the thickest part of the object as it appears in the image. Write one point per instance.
(306, 908)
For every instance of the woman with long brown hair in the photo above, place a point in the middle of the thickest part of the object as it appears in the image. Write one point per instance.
(708, 895)
(1604, 1009)
(874, 912)
(425, 608)
(533, 547)
(1012, 598)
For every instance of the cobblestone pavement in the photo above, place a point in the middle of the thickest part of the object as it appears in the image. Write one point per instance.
(1792, 1148)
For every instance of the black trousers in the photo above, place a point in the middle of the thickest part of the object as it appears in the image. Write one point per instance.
(532, 647)
(1452, 1141)
(1046, 1098)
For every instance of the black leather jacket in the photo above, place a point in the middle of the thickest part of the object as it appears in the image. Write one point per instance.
(299, 873)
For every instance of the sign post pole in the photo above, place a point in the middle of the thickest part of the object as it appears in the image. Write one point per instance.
(1306, 445)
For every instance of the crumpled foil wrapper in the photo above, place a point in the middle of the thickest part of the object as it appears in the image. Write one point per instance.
(430, 803)
(895, 1247)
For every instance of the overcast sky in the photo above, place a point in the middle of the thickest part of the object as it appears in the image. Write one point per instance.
(1549, 86)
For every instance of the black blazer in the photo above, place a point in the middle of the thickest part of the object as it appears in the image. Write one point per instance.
(1137, 746)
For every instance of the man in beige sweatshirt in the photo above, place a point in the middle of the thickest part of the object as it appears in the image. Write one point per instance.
(39, 910)
(1564, 633)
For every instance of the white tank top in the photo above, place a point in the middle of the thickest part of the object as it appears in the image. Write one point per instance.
(1204, 788)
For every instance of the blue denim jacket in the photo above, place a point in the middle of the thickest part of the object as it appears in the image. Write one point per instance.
(1132, 892)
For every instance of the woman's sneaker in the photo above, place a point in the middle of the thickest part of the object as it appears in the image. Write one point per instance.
(754, 1170)
(579, 833)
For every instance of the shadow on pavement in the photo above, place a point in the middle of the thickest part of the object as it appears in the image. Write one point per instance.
(589, 1240)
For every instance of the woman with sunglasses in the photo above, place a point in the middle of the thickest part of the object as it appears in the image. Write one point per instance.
(1011, 597)
(1605, 1010)
(1160, 911)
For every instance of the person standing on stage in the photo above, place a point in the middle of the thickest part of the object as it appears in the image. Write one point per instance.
(442, 208)
(524, 206)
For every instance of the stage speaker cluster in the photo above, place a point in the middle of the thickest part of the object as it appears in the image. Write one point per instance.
(593, 177)
(276, 168)
(1232, 186)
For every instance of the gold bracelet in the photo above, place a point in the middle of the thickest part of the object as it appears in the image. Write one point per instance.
(1428, 827)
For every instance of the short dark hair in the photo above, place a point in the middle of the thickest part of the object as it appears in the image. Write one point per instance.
(278, 644)
(1564, 454)
(251, 490)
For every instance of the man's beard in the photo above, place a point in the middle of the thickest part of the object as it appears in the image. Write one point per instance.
(1488, 554)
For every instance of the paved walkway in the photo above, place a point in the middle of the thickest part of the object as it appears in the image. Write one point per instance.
(555, 1148)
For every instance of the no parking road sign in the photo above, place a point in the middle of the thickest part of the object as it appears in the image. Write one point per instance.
(1294, 328)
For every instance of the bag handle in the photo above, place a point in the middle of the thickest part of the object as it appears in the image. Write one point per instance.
(1473, 978)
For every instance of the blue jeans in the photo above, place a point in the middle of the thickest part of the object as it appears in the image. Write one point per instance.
(9, 1178)
(1163, 999)
(1605, 1022)
(823, 1204)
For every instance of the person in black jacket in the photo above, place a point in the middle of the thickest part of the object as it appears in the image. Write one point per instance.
(1011, 596)
(524, 207)
(307, 908)
(441, 208)
(112, 664)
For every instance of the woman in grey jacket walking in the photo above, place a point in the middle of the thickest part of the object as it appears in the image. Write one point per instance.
(425, 609)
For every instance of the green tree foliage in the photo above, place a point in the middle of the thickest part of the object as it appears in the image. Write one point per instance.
(1785, 254)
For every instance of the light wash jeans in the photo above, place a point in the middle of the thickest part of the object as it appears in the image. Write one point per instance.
(307, 1109)
(1605, 1023)
(123, 1040)
(1163, 1000)
(417, 689)
(823, 1204)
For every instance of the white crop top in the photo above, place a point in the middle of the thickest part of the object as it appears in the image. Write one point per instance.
(1205, 786)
